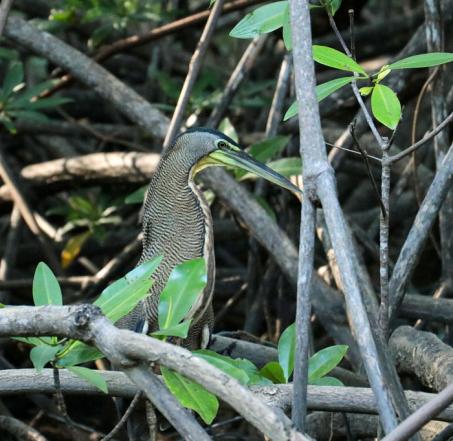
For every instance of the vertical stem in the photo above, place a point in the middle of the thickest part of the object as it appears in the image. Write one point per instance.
(303, 312)
(384, 243)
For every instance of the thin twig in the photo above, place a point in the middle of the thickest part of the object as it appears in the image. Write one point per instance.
(421, 416)
(124, 418)
(240, 72)
(192, 75)
(424, 140)
(419, 231)
(26, 213)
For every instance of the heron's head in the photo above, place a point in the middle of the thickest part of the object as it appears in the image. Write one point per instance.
(205, 148)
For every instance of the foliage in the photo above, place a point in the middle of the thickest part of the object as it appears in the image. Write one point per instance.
(180, 296)
(20, 103)
(116, 301)
(112, 16)
(385, 105)
(90, 214)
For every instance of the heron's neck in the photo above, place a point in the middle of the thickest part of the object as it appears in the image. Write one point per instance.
(176, 221)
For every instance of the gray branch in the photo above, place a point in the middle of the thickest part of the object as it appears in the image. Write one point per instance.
(125, 348)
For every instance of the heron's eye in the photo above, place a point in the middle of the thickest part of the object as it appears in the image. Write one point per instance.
(222, 145)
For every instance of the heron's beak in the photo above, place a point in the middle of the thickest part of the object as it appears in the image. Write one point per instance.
(239, 158)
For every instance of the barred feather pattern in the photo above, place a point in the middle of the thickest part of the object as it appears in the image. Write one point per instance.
(177, 225)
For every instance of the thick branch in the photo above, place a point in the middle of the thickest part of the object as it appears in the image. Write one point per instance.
(123, 348)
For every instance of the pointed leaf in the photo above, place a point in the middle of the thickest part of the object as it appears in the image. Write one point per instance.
(255, 378)
(14, 76)
(286, 350)
(41, 355)
(46, 289)
(325, 89)
(28, 115)
(264, 150)
(333, 5)
(77, 353)
(287, 167)
(274, 372)
(73, 247)
(227, 127)
(287, 35)
(136, 197)
(324, 361)
(91, 376)
(293, 110)
(331, 57)
(180, 330)
(122, 296)
(24, 97)
(46, 103)
(327, 381)
(184, 286)
(225, 364)
(423, 60)
(386, 106)
(191, 395)
(264, 19)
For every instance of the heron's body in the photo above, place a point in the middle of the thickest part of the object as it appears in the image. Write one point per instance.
(177, 224)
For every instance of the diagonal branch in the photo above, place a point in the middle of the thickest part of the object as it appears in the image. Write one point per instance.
(125, 348)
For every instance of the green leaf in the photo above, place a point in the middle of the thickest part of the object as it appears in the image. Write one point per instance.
(180, 330)
(423, 60)
(46, 289)
(267, 207)
(287, 35)
(264, 150)
(332, 6)
(43, 354)
(262, 20)
(137, 196)
(34, 341)
(331, 57)
(324, 361)
(14, 76)
(122, 296)
(91, 376)
(287, 167)
(45, 103)
(286, 350)
(293, 110)
(28, 115)
(225, 364)
(227, 127)
(325, 89)
(191, 395)
(322, 91)
(365, 91)
(24, 97)
(255, 378)
(184, 286)
(385, 106)
(327, 381)
(77, 352)
(274, 372)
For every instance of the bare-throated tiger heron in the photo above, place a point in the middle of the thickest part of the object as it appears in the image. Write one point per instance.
(177, 221)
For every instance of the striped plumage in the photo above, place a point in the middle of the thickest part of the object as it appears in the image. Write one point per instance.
(177, 225)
